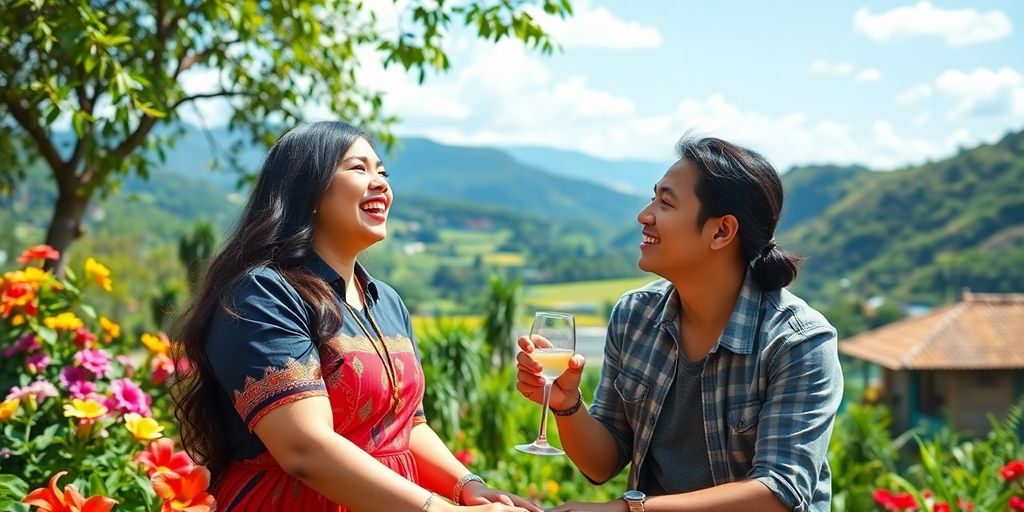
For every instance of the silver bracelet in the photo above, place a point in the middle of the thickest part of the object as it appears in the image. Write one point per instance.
(428, 503)
(466, 479)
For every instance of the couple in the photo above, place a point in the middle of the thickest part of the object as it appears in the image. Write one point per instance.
(305, 389)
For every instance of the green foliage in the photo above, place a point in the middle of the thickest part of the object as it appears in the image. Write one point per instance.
(501, 312)
(195, 249)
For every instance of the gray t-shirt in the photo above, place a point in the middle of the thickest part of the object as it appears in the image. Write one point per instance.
(677, 461)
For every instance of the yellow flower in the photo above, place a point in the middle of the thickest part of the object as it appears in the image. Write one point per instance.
(110, 328)
(31, 276)
(86, 409)
(17, 320)
(551, 487)
(8, 408)
(158, 344)
(100, 272)
(144, 429)
(66, 321)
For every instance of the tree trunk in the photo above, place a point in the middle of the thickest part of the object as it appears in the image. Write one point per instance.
(66, 225)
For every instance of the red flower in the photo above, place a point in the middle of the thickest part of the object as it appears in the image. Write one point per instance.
(942, 507)
(50, 499)
(1012, 471)
(39, 252)
(185, 492)
(1017, 503)
(159, 457)
(465, 457)
(18, 295)
(964, 505)
(890, 501)
(84, 338)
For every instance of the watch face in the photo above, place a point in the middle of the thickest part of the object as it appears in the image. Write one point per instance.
(634, 496)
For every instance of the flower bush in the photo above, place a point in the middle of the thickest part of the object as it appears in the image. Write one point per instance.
(82, 399)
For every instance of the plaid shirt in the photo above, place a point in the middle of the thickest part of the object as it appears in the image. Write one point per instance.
(770, 389)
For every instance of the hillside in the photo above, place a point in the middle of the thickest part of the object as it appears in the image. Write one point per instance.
(925, 232)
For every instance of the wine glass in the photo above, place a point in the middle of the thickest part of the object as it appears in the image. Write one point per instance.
(554, 340)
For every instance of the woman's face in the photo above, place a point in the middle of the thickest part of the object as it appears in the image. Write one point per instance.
(352, 213)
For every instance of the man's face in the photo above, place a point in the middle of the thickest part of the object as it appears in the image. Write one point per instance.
(672, 242)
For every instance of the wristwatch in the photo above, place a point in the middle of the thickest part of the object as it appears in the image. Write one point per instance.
(634, 500)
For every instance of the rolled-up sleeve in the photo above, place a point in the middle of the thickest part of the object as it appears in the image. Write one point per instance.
(805, 385)
(607, 407)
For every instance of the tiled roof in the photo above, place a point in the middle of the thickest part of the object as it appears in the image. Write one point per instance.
(984, 331)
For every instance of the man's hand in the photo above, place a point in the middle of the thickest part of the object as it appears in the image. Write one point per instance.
(565, 391)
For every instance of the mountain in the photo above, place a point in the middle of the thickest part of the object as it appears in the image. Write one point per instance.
(923, 232)
(635, 177)
(812, 190)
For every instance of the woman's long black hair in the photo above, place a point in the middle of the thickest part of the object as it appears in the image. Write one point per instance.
(276, 231)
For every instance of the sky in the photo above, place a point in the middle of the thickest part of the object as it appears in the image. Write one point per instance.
(884, 84)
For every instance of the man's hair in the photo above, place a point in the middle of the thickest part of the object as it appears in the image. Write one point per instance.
(733, 180)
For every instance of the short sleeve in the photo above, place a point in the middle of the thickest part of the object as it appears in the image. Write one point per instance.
(263, 355)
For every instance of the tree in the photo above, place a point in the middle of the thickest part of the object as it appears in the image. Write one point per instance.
(114, 71)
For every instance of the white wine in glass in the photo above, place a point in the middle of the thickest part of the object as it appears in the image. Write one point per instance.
(554, 340)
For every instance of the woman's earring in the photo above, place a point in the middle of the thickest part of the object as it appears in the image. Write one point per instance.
(314, 211)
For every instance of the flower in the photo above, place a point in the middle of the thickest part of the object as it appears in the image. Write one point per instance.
(84, 408)
(1016, 503)
(100, 272)
(72, 374)
(84, 338)
(163, 367)
(94, 360)
(1012, 471)
(110, 329)
(942, 507)
(889, 501)
(38, 252)
(964, 505)
(27, 343)
(18, 295)
(81, 388)
(8, 408)
(143, 429)
(36, 362)
(66, 321)
(39, 390)
(465, 457)
(160, 457)
(50, 499)
(158, 344)
(127, 396)
(552, 488)
(184, 491)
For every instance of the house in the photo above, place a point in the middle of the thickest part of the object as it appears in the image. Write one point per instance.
(960, 362)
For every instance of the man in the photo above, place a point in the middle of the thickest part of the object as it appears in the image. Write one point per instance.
(719, 387)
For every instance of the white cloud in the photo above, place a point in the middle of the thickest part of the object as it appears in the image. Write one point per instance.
(914, 94)
(211, 112)
(845, 69)
(983, 92)
(868, 75)
(597, 27)
(959, 27)
(922, 119)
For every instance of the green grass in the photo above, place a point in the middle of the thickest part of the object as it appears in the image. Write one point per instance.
(596, 292)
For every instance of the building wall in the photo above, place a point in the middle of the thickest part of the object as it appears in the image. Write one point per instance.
(896, 386)
(973, 395)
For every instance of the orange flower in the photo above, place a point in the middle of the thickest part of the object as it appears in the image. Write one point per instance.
(186, 492)
(18, 295)
(110, 329)
(159, 457)
(39, 252)
(50, 499)
(100, 272)
(158, 344)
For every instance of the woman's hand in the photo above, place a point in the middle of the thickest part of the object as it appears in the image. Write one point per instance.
(476, 493)
(576, 506)
(566, 389)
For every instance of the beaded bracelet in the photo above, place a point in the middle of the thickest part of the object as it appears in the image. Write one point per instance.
(466, 479)
(428, 503)
(570, 411)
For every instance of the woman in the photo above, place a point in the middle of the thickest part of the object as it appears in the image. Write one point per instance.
(306, 390)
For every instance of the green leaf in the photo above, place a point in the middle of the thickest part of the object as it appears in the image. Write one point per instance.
(88, 310)
(48, 335)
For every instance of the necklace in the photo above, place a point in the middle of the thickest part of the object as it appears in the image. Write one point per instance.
(385, 355)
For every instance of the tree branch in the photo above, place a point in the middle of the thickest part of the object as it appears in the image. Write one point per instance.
(41, 137)
(218, 94)
(191, 59)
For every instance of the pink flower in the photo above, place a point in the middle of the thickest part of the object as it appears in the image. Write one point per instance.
(27, 343)
(40, 390)
(84, 338)
(126, 396)
(163, 368)
(81, 389)
(37, 362)
(94, 360)
(129, 366)
(72, 374)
